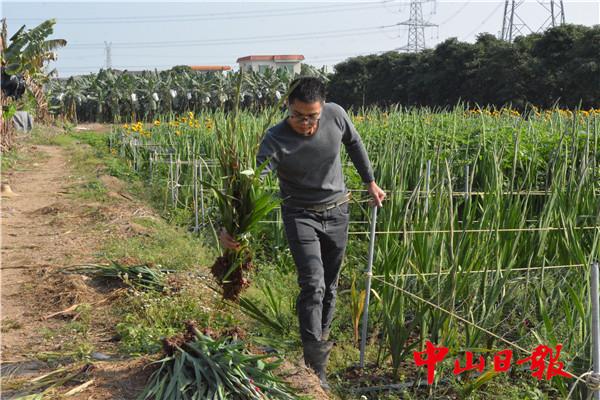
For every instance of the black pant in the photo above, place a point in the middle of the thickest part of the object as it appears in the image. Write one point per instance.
(317, 241)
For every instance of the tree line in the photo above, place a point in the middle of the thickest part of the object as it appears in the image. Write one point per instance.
(560, 67)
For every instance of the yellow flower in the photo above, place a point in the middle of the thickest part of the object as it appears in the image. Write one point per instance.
(178, 133)
(157, 122)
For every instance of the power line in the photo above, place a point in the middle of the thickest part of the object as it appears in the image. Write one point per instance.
(83, 68)
(465, 4)
(485, 20)
(245, 40)
(312, 59)
(316, 59)
(216, 16)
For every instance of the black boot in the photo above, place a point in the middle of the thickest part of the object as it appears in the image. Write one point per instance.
(316, 356)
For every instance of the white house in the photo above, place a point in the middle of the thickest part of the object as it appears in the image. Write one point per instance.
(291, 62)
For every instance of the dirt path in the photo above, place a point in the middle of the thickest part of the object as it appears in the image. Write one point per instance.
(45, 228)
(31, 241)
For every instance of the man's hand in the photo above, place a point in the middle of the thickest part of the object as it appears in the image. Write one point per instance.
(227, 240)
(376, 193)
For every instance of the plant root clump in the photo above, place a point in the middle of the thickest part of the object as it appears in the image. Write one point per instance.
(236, 282)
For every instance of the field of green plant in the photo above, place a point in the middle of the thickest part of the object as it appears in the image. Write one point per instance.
(116, 97)
(485, 241)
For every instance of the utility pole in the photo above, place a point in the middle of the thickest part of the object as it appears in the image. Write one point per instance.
(416, 26)
(514, 25)
(107, 52)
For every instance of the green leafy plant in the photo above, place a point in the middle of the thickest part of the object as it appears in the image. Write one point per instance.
(242, 203)
(197, 366)
(140, 276)
(357, 299)
(273, 316)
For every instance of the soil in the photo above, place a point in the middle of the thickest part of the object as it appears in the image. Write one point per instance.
(45, 229)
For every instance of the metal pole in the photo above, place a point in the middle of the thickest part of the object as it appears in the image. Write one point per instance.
(152, 155)
(176, 183)
(363, 337)
(427, 179)
(467, 182)
(595, 321)
(171, 178)
(122, 146)
(201, 192)
(134, 148)
(195, 179)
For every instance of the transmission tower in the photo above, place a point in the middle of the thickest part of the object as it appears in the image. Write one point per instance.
(513, 25)
(107, 51)
(416, 26)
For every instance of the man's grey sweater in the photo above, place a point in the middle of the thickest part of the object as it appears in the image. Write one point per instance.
(309, 167)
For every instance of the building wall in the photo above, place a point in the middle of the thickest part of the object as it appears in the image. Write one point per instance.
(260, 66)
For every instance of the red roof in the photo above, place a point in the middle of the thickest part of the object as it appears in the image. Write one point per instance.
(276, 58)
(210, 67)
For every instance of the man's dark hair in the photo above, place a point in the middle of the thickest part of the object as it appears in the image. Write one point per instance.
(307, 89)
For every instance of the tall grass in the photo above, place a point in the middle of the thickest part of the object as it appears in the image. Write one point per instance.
(536, 173)
(477, 236)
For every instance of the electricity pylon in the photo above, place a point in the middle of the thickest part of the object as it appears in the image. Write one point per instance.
(514, 25)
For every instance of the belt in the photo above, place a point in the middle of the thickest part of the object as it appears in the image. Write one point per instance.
(327, 206)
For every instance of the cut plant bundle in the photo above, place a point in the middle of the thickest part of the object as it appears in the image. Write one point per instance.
(197, 366)
(242, 203)
(141, 276)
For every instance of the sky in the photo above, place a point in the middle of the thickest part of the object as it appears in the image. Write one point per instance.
(161, 34)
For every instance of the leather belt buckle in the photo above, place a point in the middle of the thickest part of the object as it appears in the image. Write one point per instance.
(329, 206)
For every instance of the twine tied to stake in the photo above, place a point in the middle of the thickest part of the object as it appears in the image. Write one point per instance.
(592, 381)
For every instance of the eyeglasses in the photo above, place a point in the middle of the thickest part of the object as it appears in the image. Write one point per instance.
(310, 119)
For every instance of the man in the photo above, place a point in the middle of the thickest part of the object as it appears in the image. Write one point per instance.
(304, 149)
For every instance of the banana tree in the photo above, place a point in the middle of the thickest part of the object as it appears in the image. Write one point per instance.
(27, 54)
(29, 51)
(111, 96)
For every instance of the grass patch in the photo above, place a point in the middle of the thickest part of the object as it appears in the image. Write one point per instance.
(9, 159)
(61, 140)
(58, 135)
(93, 190)
(163, 244)
(9, 324)
(147, 317)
